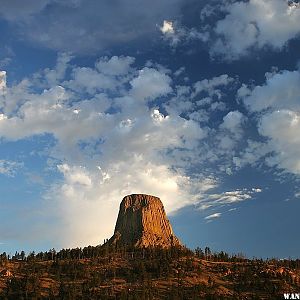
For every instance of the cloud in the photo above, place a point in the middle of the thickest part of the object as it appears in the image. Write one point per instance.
(235, 29)
(118, 128)
(203, 102)
(150, 84)
(213, 216)
(111, 137)
(91, 81)
(233, 121)
(176, 34)
(116, 65)
(5, 62)
(167, 27)
(86, 26)
(255, 24)
(210, 85)
(228, 198)
(252, 154)
(87, 212)
(201, 98)
(92, 26)
(52, 77)
(9, 168)
(16, 9)
(282, 128)
(75, 175)
(2, 80)
(231, 131)
(280, 91)
(276, 104)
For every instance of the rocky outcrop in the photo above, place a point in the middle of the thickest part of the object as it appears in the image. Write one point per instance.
(142, 222)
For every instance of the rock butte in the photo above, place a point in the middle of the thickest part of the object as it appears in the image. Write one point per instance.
(142, 222)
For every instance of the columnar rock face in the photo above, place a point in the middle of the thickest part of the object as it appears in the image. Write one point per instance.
(142, 222)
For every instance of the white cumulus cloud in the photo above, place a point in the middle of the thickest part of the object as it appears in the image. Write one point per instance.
(111, 137)
(276, 104)
(280, 91)
(149, 84)
(256, 24)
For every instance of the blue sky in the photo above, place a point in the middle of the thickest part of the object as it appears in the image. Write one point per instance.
(196, 103)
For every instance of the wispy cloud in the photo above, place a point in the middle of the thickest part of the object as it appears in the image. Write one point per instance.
(213, 216)
(9, 168)
(176, 34)
(232, 209)
(227, 198)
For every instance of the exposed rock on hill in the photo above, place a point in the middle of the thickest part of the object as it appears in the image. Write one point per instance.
(142, 222)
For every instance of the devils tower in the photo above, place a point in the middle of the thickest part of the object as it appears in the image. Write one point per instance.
(142, 222)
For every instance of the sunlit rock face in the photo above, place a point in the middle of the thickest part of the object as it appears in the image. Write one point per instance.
(142, 222)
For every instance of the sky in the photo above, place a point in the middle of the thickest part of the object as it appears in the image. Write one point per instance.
(197, 103)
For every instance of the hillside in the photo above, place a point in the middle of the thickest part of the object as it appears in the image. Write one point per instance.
(107, 272)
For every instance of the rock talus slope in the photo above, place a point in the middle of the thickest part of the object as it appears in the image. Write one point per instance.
(142, 222)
